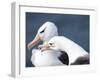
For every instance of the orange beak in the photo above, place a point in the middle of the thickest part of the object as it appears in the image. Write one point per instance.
(45, 46)
(34, 41)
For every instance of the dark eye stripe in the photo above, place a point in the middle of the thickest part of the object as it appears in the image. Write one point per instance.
(42, 31)
(51, 44)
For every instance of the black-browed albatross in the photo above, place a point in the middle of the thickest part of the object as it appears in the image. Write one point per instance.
(47, 57)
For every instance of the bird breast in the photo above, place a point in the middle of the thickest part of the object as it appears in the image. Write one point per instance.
(45, 58)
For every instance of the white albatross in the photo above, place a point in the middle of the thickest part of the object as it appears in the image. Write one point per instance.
(47, 57)
(74, 51)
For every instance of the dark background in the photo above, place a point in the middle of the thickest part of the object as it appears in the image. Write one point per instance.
(74, 27)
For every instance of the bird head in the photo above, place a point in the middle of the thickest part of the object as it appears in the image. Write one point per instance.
(53, 44)
(45, 33)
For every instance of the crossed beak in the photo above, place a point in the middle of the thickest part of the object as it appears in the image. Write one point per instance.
(34, 41)
(45, 45)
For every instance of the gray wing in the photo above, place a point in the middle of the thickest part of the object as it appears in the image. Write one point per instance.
(82, 60)
(64, 58)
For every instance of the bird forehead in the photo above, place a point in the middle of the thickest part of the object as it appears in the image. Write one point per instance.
(48, 25)
(55, 40)
(41, 28)
(52, 41)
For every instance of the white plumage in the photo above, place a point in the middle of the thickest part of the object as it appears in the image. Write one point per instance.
(47, 57)
(62, 43)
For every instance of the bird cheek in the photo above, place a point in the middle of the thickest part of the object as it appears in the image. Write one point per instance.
(41, 36)
(55, 48)
(45, 32)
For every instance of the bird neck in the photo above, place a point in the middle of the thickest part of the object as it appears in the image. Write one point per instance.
(48, 36)
(72, 49)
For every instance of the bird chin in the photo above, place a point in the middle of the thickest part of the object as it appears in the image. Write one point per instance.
(54, 49)
(44, 49)
(47, 49)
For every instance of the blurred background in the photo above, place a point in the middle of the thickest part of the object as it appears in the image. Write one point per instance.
(72, 26)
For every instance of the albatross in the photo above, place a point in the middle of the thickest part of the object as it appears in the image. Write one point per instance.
(47, 57)
(76, 54)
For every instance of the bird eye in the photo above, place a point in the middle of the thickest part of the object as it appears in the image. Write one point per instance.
(50, 44)
(43, 31)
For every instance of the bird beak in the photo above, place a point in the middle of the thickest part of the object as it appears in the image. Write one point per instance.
(34, 41)
(45, 46)
(46, 43)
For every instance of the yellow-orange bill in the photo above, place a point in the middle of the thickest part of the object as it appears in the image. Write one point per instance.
(34, 41)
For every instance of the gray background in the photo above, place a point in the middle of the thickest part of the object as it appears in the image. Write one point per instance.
(74, 27)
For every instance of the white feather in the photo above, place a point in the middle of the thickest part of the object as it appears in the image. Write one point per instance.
(71, 48)
(47, 57)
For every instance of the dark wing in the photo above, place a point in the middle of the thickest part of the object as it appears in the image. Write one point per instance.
(82, 60)
(64, 58)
